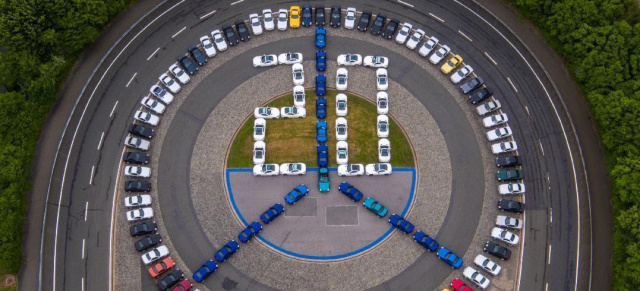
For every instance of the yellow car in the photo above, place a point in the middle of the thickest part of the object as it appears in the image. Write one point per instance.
(451, 64)
(294, 16)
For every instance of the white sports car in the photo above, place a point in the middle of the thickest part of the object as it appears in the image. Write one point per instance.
(266, 170)
(290, 58)
(342, 152)
(341, 79)
(299, 96)
(508, 222)
(137, 201)
(475, 277)
(259, 129)
(351, 170)
(161, 94)
(267, 16)
(415, 39)
(350, 60)
(293, 169)
(383, 126)
(265, 61)
(488, 107)
(350, 18)
(155, 254)
(504, 235)
(487, 265)
(382, 79)
(283, 17)
(511, 189)
(179, 73)
(404, 32)
(218, 39)
(376, 61)
(293, 112)
(298, 74)
(440, 54)
(341, 105)
(266, 112)
(428, 46)
(504, 147)
(137, 143)
(140, 214)
(384, 150)
(146, 117)
(256, 26)
(499, 133)
(462, 73)
(378, 169)
(341, 128)
(153, 105)
(208, 46)
(494, 120)
(170, 83)
(259, 151)
(382, 101)
(137, 171)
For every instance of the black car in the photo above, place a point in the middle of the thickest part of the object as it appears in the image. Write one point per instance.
(136, 158)
(170, 279)
(148, 227)
(243, 32)
(471, 85)
(365, 18)
(391, 29)
(137, 186)
(147, 242)
(188, 65)
(320, 19)
(197, 55)
(510, 205)
(480, 95)
(336, 16)
(497, 250)
(378, 24)
(307, 15)
(507, 161)
(231, 35)
(141, 130)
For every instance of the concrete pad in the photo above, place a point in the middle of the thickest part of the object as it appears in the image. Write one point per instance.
(342, 215)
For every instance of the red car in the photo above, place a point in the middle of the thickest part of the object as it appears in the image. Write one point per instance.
(459, 285)
(183, 285)
(161, 267)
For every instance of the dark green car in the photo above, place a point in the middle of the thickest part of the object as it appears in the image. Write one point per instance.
(509, 175)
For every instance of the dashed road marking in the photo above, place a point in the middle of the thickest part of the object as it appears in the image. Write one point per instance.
(101, 139)
(208, 14)
(512, 86)
(86, 210)
(549, 256)
(490, 58)
(83, 248)
(91, 178)
(465, 36)
(550, 215)
(179, 31)
(114, 109)
(527, 109)
(153, 54)
(436, 17)
(130, 80)
(405, 3)
(237, 2)
(541, 148)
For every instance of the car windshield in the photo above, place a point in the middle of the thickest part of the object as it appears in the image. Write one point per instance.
(341, 129)
(187, 62)
(440, 53)
(292, 57)
(378, 60)
(218, 39)
(291, 110)
(258, 154)
(415, 37)
(259, 130)
(178, 72)
(319, 13)
(382, 103)
(384, 151)
(489, 105)
(383, 126)
(342, 79)
(266, 59)
(342, 105)
(282, 18)
(297, 74)
(269, 168)
(196, 53)
(264, 111)
(350, 16)
(335, 15)
(306, 13)
(382, 79)
(268, 18)
(230, 33)
(378, 21)
(404, 31)
(208, 45)
(299, 97)
(342, 154)
(256, 23)
(169, 82)
(242, 29)
(352, 58)
(355, 168)
(428, 45)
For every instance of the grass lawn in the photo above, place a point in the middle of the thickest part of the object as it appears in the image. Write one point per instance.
(294, 140)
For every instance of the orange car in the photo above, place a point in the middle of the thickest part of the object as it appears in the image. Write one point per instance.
(161, 267)
(294, 16)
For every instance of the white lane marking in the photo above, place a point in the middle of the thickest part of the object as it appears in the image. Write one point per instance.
(541, 148)
(237, 2)
(465, 36)
(548, 179)
(436, 17)
(550, 215)
(527, 109)
(179, 31)
(101, 139)
(132, 77)
(490, 58)
(547, 287)
(113, 211)
(83, 248)
(405, 3)
(549, 256)
(153, 54)
(91, 178)
(208, 14)
(512, 86)
(86, 210)
(114, 109)
(82, 283)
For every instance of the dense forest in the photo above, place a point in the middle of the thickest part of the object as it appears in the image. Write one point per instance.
(39, 42)
(600, 43)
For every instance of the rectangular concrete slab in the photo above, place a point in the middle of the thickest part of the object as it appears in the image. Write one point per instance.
(342, 215)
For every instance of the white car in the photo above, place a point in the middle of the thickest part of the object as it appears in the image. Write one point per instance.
(383, 126)
(259, 151)
(487, 265)
(155, 254)
(504, 147)
(440, 54)
(137, 143)
(137, 201)
(299, 96)
(350, 60)
(511, 189)
(494, 120)
(350, 18)
(499, 133)
(382, 101)
(146, 117)
(153, 105)
(267, 17)
(508, 222)
(404, 32)
(139, 214)
(266, 112)
(351, 170)
(256, 26)
(298, 74)
(342, 76)
(378, 169)
(170, 83)
(415, 39)
(161, 94)
(382, 79)
(137, 171)
(505, 236)
(180, 74)
(342, 153)
(341, 105)
(290, 58)
(208, 46)
(218, 39)
(283, 17)
(376, 61)
(266, 170)
(462, 73)
(475, 277)
(293, 169)
(488, 107)
(341, 128)
(428, 46)
(265, 61)
(384, 150)
(259, 129)
(293, 112)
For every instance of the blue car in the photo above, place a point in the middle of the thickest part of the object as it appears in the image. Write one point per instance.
(375, 207)
(321, 37)
(226, 251)
(321, 60)
(323, 180)
(323, 156)
(296, 194)
(207, 269)
(350, 191)
(450, 258)
(272, 213)
(321, 108)
(306, 15)
(400, 223)
(321, 131)
(321, 85)
(248, 233)
(426, 241)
